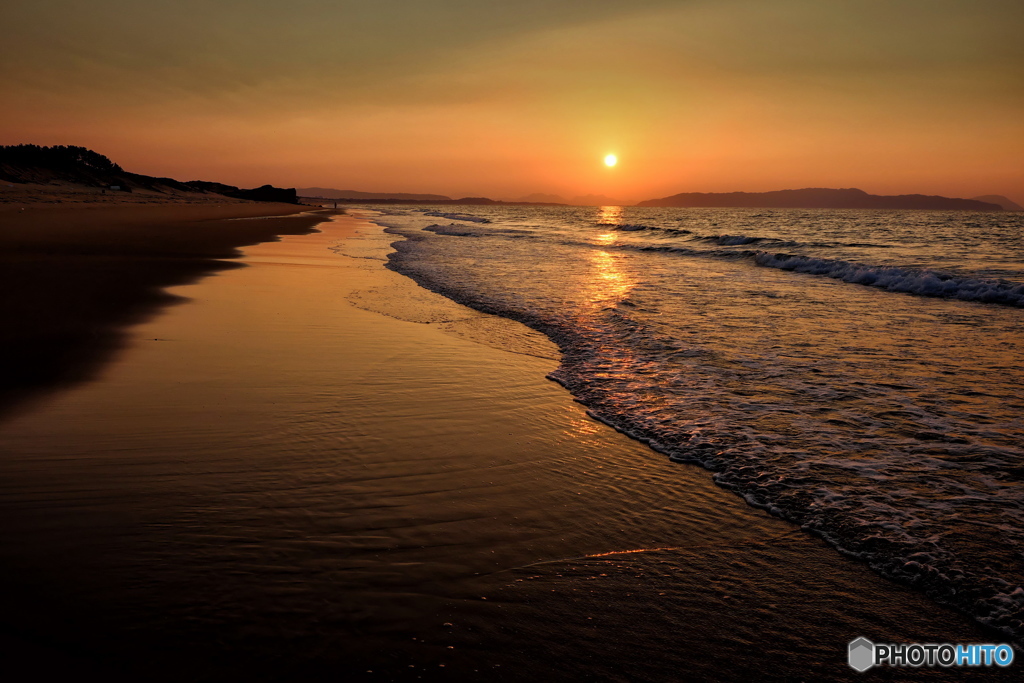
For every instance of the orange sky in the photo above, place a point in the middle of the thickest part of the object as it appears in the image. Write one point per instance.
(508, 97)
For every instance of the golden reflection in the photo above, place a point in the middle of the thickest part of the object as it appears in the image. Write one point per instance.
(610, 215)
(581, 428)
(609, 284)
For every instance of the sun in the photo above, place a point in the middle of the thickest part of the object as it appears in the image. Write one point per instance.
(611, 160)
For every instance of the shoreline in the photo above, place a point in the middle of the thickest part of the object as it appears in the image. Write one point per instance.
(74, 277)
(447, 266)
(347, 479)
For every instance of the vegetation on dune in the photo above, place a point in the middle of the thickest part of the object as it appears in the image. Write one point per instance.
(82, 166)
(58, 158)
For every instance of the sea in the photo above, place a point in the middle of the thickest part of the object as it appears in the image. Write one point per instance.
(856, 373)
(309, 467)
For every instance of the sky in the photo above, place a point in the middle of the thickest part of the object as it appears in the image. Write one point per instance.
(504, 98)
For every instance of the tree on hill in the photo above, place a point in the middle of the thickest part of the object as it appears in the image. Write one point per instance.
(57, 158)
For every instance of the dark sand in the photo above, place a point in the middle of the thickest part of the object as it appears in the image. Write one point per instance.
(73, 275)
(316, 470)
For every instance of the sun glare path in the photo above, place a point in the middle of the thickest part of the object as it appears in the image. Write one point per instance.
(611, 160)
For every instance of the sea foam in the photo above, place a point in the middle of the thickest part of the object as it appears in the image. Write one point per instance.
(901, 446)
(922, 282)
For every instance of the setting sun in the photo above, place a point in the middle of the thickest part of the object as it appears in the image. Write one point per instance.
(459, 358)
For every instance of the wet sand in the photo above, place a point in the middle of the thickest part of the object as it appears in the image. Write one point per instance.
(316, 470)
(74, 273)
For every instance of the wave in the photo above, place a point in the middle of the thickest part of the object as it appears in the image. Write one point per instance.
(897, 279)
(868, 523)
(618, 366)
(456, 230)
(639, 227)
(457, 216)
(726, 240)
(452, 230)
(733, 240)
(922, 282)
(730, 240)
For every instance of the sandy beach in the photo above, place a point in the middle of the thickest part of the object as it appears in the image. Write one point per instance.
(78, 266)
(508, 342)
(313, 469)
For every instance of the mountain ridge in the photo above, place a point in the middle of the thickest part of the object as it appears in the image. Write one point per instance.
(819, 198)
(1003, 201)
(578, 200)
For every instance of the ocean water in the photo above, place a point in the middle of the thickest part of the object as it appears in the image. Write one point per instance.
(314, 469)
(858, 373)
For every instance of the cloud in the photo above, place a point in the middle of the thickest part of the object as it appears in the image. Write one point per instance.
(459, 90)
(208, 46)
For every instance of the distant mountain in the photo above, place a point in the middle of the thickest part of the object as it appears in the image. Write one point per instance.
(597, 200)
(329, 193)
(581, 200)
(1007, 204)
(541, 198)
(820, 198)
(264, 193)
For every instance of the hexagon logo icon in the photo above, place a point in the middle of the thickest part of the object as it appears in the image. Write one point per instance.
(862, 654)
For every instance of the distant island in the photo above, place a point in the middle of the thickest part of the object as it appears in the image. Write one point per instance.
(1005, 202)
(79, 166)
(579, 200)
(810, 198)
(821, 198)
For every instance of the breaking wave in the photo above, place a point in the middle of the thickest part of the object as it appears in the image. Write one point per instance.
(457, 216)
(922, 282)
(916, 469)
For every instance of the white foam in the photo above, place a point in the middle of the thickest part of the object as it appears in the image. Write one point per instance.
(925, 493)
(923, 282)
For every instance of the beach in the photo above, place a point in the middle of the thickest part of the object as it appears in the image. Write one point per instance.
(78, 266)
(311, 468)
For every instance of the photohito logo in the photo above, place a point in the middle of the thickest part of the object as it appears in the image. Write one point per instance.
(863, 654)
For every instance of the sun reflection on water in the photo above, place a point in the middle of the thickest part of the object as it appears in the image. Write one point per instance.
(608, 284)
(608, 216)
